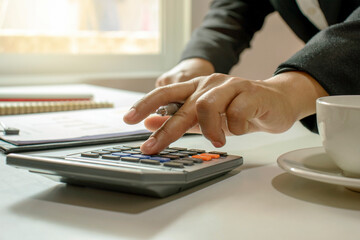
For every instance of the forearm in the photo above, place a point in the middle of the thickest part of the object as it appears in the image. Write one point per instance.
(226, 31)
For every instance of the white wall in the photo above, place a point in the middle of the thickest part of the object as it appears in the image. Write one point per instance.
(271, 46)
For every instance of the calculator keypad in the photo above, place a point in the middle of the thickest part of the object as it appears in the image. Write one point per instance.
(172, 157)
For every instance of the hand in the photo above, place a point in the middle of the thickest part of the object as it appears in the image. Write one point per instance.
(220, 105)
(186, 70)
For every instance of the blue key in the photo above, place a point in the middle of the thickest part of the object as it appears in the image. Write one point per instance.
(140, 156)
(121, 154)
(161, 159)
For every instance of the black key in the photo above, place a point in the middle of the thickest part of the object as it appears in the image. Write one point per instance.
(110, 157)
(90, 155)
(130, 159)
(197, 150)
(150, 161)
(101, 152)
(185, 162)
(174, 164)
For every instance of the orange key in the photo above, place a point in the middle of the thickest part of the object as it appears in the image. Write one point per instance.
(204, 158)
(212, 155)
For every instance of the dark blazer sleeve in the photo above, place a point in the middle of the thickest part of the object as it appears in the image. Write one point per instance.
(332, 57)
(226, 31)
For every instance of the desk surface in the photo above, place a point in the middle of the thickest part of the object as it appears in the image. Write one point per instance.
(256, 201)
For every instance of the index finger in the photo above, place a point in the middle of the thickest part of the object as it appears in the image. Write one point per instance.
(176, 92)
(172, 129)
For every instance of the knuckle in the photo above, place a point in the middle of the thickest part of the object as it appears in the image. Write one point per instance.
(234, 114)
(203, 105)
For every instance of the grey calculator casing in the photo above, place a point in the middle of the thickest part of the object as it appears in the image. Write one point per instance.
(124, 177)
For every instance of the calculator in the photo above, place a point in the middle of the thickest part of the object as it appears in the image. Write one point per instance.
(124, 168)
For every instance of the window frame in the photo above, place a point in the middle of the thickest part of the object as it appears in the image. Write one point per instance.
(18, 69)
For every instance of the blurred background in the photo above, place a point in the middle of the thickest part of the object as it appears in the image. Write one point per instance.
(117, 43)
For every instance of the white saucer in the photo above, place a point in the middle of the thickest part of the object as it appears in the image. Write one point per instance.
(313, 163)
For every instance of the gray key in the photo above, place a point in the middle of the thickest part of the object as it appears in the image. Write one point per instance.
(197, 150)
(220, 153)
(185, 162)
(150, 161)
(174, 164)
(110, 157)
(101, 152)
(90, 155)
(170, 156)
(122, 148)
(130, 159)
(177, 148)
(195, 160)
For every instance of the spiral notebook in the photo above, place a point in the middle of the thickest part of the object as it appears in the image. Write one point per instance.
(18, 107)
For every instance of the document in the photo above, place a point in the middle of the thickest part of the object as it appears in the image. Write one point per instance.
(70, 126)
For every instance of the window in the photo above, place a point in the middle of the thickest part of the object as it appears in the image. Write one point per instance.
(91, 37)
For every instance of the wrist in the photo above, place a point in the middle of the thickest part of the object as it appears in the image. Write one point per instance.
(300, 90)
(198, 64)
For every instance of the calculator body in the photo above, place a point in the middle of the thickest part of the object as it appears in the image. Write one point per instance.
(150, 175)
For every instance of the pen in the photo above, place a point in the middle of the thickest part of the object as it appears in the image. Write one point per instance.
(169, 109)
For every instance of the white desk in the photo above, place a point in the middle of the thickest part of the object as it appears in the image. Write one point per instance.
(257, 201)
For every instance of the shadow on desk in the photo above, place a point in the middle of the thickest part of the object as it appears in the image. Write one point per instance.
(316, 192)
(116, 201)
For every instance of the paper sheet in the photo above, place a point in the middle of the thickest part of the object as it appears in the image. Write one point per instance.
(70, 126)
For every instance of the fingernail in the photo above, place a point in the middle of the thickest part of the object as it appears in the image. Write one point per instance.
(150, 143)
(217, 144)
(131, 113)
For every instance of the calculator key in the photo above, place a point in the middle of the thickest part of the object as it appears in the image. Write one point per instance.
(185, 162)
(189, 152)
(161, 159)
(220, 153)
(130, 159)
(171, 150)
(150, 161)
(122, 148)
(121, 154)
(178, 148)
(197, 150)
(210, 155)
(132, 152)
(141, 156)
(132, 147)
(112, 150)
(204, 158)
(170, 156)
(110, 157)
(90, 155)
(180, 154)
(195, 160)
(174, 164)
(101, 152)
(164, 152)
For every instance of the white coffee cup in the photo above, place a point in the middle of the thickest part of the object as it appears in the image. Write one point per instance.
(338, 119)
